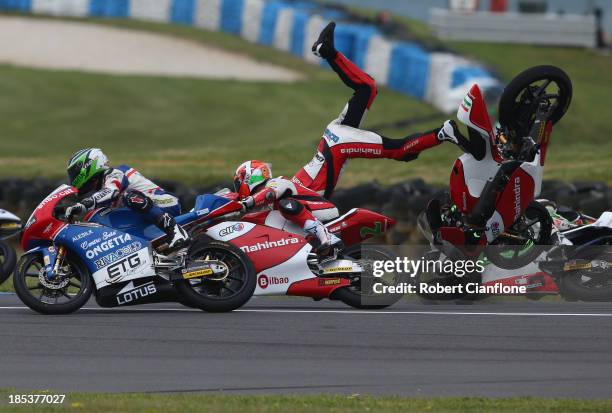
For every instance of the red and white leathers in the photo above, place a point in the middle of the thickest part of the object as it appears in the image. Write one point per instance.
(298, 204)
(343, 140)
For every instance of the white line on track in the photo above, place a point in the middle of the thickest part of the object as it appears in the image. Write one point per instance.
(359, 312)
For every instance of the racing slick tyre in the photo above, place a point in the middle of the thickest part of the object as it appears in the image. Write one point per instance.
(65, 294)
(519, 101)
(589, 284)
(217, 296)
(534, 228)
(360, 293)
(8, 258)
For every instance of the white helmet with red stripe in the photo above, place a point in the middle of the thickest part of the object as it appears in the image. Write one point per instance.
(250, 175)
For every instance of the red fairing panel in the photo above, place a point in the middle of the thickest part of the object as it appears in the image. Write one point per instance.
(515, 197)
(539, 282)
(42, 225)
(317, 287)
(359, 225)
(460, 194)
(268, 247)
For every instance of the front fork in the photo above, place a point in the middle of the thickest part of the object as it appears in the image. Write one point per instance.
(52, 259)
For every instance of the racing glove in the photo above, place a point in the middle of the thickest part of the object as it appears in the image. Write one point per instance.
(74, 210)
(247, 203)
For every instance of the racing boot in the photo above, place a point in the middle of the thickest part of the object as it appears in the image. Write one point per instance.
(324, 46)
(177, 236)
(326, 243)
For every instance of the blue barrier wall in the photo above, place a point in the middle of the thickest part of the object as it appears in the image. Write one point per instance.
(409, 65)
(231, 16)
(183, 11)
(109, 8)
(16, 5)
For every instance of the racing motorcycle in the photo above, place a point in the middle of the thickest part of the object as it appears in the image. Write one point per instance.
(117, 253)
(578, 265)
(10, 224)
(122, 258)
(494, 184)
(581, 261)
(292, 268)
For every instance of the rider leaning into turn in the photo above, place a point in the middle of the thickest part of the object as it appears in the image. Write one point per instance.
(303, 199)
(102, 186)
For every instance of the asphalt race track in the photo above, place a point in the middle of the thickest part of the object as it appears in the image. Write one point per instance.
(299, 346)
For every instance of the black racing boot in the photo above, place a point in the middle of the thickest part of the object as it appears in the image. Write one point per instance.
(177, 236)
(324, 46)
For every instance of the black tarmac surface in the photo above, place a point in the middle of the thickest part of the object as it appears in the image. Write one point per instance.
(287, 345)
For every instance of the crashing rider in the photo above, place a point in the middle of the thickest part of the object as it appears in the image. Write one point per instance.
(303, 199)
(100, 185)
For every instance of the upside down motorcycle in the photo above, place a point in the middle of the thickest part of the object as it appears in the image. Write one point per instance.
(494, 184)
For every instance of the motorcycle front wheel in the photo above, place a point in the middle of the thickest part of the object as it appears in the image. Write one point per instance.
(8, 258)
(64, 294)
(217, 296)
(524, 241)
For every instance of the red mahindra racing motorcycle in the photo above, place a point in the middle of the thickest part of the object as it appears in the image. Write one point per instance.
(494, 184)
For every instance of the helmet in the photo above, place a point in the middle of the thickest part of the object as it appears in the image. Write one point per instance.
(250, 175)
(85, 165)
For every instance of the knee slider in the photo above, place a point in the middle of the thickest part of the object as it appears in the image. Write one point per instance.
(290, 206)
(137, 201)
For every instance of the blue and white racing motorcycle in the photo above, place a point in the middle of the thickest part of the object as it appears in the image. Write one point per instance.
(119, 256)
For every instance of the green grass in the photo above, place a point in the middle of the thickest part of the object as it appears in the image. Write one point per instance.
(193, 130)
(198, 131)
(307, 404)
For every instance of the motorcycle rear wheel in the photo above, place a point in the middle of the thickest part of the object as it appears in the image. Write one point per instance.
(219, 296)
(518, 103)
(41, 299)
(8, 258)
(354, 295)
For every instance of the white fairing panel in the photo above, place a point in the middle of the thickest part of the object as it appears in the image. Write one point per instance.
(229, 230)
(276, 280)
(536, 171)
(276, 220)
(477, 173)
(136, 266)
(605, 220)
(8, 216)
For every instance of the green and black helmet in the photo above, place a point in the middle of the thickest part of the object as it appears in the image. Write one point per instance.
(85, 165)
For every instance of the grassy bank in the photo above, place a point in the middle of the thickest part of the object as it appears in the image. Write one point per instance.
(198, 130)
(307, 404)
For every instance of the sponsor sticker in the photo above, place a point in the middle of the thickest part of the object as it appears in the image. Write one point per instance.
(123, 268)
(108, 244)
(325, 282)
(82, 235)
(269, 244)
(136, 293)
(198, 273)
(339, 269)
(118, 254)
(231, 229)
(264, 281)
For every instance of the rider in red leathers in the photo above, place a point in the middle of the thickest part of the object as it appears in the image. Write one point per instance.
(303, 199)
